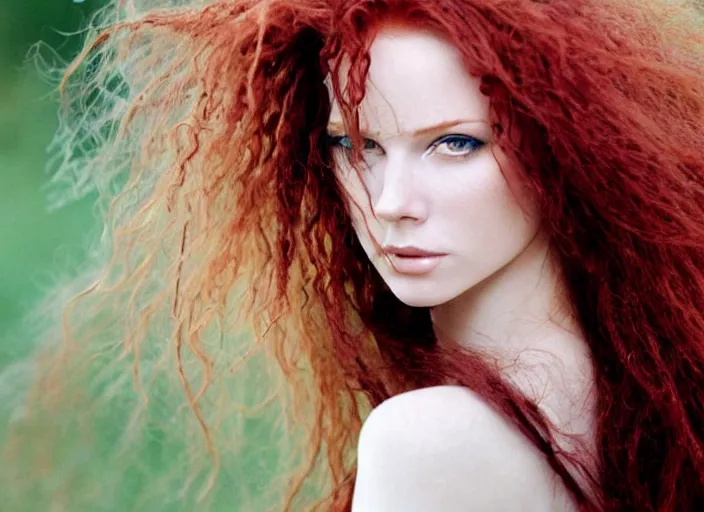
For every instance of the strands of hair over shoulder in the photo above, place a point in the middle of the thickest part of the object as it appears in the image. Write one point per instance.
(232, 336)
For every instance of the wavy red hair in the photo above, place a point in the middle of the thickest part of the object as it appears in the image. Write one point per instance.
(227, 207)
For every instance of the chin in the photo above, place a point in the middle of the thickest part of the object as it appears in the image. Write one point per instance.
(420, 295)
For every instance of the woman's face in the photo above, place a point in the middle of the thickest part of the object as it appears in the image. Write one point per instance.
(432, 193)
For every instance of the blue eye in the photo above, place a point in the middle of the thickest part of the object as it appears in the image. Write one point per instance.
(456, 145)
(345, 142)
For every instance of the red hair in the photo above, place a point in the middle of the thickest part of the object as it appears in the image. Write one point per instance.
(601, 104)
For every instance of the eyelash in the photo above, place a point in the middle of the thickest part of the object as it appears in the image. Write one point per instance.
(344, 142)
(336, 141)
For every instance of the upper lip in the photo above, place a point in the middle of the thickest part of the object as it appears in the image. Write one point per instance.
(410, 251)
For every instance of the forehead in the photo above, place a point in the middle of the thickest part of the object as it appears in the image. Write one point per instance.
(416, 79)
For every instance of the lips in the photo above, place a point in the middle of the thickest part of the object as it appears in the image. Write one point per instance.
(412, 260)
(410, 252)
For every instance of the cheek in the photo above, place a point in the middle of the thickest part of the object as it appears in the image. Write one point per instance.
(355, 195)
(357, 203)
(491, 215)
(516, 190)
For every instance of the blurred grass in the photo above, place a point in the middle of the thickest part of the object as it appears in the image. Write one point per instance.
(35, 245)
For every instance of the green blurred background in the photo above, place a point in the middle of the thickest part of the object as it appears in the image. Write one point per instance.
(35, 245)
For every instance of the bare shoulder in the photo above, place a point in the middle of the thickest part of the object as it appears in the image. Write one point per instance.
(444, 448)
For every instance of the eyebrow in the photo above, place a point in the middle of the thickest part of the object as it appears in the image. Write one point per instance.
(337, 127)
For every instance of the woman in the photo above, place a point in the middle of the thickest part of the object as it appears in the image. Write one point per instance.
(481, 220)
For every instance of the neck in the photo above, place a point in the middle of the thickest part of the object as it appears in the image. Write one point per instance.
(521, 319)
(508, 312)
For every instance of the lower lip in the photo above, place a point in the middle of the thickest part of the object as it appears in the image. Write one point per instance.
(416, 265)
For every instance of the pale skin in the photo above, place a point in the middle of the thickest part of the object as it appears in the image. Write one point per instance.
(434, 180)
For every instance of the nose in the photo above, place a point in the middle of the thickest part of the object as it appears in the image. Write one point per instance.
(400, 197)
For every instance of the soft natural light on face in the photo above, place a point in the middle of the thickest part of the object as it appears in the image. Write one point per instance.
(429, 181)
